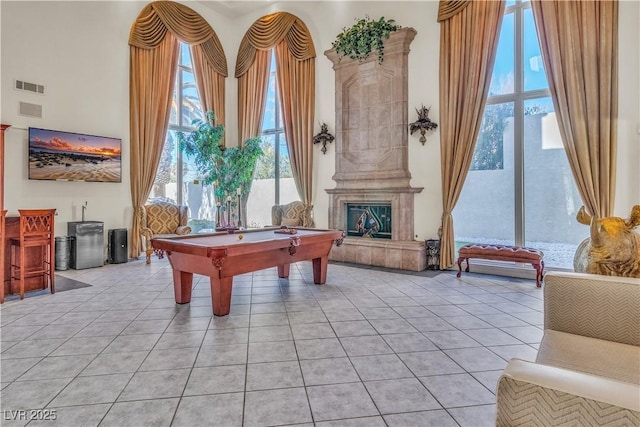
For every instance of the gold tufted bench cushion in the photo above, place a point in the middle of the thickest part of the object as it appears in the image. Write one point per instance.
(502, 253)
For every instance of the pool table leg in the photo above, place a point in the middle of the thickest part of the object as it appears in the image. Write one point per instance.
(182, 283)
(283, 271)
(221, 295)
(320, 270)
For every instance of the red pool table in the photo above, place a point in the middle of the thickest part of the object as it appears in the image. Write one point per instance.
(222, 256)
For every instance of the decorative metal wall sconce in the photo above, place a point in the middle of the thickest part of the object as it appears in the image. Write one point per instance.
(423, 124)
(323, 137)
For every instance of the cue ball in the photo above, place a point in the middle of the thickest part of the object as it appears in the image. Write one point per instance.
(240, 236)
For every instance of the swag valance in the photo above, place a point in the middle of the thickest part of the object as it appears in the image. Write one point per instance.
(184, 23)
(268, 31)
(450, 8)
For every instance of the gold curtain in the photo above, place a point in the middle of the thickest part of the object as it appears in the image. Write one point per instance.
(468, 45)
(295, 59)
(252, 92)
(297, 91)
(151, 80)
(579, 44)
(154, 46)
(210, 84)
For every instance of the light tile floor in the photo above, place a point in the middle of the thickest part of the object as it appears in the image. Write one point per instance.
(369, 348)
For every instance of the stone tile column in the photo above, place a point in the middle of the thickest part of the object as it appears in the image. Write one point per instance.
(371, 147)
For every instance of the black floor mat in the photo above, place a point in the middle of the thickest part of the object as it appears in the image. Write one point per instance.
(66, 284)
(62, 284)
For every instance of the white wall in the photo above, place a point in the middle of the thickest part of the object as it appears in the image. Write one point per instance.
(79, 51)
(628, 173)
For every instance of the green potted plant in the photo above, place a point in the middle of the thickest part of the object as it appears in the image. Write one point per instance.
(363, 37)
(228, 169)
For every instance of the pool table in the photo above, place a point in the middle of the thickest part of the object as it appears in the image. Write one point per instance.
(223, 255)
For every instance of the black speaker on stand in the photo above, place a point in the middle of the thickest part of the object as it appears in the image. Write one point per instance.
(118, 246)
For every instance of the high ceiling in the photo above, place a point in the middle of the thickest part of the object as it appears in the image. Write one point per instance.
(235, 8)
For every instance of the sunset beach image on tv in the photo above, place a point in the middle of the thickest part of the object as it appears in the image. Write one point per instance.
(68, 156)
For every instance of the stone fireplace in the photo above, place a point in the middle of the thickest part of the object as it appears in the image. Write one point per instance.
(372, 158)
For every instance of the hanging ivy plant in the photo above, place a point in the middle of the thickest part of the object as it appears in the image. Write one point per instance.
(365, 36)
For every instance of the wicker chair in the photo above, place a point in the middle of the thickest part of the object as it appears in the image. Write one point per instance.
(163, 219)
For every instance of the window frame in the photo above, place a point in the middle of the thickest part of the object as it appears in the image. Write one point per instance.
(518, 98)
(180, 126)
(278, 128)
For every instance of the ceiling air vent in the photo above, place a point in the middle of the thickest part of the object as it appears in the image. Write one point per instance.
(29, 87)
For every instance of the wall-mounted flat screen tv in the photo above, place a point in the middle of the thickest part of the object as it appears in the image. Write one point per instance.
(68, 156)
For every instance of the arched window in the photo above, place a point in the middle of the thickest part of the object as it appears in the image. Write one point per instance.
(155, 59)
(176, 178)
(273, 181)
(519, 162)
(291, 77)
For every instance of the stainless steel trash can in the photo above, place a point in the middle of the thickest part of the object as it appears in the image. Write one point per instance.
(63, 252)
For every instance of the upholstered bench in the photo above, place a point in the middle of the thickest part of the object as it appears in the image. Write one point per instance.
(502, 253)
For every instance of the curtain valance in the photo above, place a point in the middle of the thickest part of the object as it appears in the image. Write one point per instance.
(449, 8)
(267, 32)
(184, 23)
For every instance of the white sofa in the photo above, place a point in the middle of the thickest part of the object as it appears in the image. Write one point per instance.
(587, 371)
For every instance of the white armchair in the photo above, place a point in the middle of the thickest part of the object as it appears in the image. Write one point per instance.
(587, 371)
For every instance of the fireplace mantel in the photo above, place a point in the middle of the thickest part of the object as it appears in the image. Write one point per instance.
(372, 117)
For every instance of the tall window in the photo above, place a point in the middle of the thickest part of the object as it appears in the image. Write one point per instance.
(176, 178)
(520, 189)
(273, 182)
